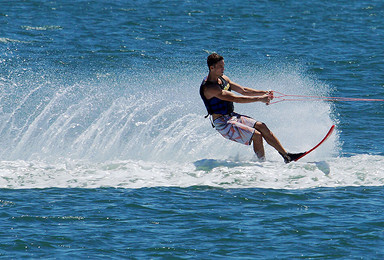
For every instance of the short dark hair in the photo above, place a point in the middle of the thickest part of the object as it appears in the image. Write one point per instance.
(213, 59)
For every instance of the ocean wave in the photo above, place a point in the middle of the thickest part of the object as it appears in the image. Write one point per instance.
(41, 28)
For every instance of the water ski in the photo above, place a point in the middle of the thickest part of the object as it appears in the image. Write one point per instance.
(316, 146)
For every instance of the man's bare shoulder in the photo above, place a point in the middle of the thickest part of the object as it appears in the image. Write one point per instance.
(210, 85)
(211, 90)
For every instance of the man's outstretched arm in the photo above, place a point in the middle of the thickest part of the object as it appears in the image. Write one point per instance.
(216, 91)
(244, 90)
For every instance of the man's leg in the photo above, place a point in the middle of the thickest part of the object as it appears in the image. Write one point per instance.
(270, 138)
(258, 147)
(275, 143)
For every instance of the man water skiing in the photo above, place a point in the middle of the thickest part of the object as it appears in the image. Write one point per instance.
(215, 91)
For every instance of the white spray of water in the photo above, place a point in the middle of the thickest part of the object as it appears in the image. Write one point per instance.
(144, 133)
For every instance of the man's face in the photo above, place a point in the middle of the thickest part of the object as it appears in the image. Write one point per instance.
(218, 68)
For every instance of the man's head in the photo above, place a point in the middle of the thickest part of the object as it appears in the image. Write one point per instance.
(215, 63)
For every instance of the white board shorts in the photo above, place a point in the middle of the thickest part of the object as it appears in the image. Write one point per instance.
(236, 127)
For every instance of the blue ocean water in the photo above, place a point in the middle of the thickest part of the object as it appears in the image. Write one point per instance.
(102, 130)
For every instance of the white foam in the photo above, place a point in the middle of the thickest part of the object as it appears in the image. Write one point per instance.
(359, 170)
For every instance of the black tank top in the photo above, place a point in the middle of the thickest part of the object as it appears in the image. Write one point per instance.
(216, 105)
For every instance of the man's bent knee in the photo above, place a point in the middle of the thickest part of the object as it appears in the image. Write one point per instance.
(261, 126)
